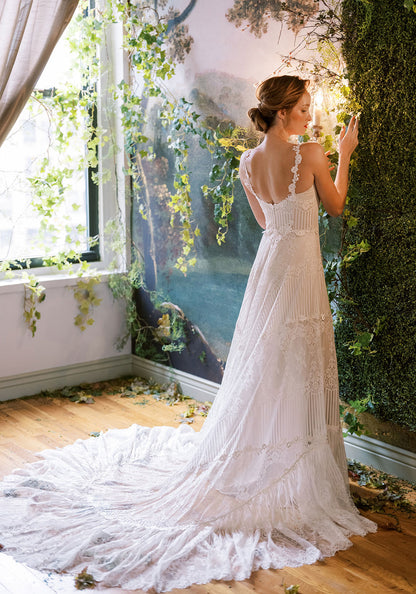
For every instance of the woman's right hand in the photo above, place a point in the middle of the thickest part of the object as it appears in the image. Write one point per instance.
(348, 139)
(333, 193)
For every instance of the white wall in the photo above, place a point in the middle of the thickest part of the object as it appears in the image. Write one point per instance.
(57, 342)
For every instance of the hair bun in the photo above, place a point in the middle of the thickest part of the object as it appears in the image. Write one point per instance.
(261, 122)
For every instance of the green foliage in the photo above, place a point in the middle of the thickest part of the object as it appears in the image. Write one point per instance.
(390, 493)
(410, 5)
(34, 296)
(366, 476)
(84, 580)
(350, 415)
(150, 341)
(123, 286)
(379, 292)
(146, 47)
(182, 122)
(256, 14)
(86, 297)
(226, 143)
(70, 110)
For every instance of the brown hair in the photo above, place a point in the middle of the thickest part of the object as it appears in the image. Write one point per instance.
(275, 93)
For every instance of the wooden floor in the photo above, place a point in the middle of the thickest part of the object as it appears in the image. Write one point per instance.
(379, 563)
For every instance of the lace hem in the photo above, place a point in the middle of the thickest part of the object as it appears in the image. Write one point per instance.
(303, 516)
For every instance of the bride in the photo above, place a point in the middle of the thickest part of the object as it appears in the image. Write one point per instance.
(264, 483)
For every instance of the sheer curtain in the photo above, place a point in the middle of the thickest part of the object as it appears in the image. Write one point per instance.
(29, 30)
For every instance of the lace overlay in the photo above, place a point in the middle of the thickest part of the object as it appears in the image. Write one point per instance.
(263, 484)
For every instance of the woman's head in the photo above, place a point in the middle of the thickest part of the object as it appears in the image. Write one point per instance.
(275, 94)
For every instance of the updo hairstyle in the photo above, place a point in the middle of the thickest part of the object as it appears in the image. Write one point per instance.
(275, 93)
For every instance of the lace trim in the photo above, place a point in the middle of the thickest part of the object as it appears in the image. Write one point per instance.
(294, 170)
(270, 450)
(276, 235)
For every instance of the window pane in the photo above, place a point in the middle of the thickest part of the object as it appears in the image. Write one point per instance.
(31, 152)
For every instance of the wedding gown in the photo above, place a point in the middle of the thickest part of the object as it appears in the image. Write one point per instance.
(262, 485)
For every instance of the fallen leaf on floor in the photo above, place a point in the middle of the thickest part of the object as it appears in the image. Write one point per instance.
(84, 580)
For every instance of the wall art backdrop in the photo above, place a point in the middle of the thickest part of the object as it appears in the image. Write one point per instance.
(227, 57)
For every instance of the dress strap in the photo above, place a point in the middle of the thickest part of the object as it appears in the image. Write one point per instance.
(298, 159)
(244, 169)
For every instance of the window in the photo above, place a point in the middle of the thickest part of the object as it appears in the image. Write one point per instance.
(48, 199)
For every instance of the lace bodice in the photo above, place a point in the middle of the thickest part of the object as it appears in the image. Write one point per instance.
(297, 213)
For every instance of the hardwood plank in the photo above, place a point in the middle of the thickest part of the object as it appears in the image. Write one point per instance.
(370, 559)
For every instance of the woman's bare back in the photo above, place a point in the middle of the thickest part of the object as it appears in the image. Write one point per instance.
(270, 170)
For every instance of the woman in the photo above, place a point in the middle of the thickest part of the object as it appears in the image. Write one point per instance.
(264, 483)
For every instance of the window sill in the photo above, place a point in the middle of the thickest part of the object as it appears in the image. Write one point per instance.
(53, 280)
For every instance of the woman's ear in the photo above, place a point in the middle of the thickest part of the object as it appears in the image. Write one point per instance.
(281, 114)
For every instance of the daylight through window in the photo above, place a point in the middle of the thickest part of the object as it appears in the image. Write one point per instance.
(48, 205)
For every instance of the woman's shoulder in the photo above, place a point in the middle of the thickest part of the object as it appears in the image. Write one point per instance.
(243, 157)
(246, 156)
(311, 151)
(310, 147)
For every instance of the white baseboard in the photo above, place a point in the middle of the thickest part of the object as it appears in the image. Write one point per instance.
(366, 450)
(192, 385)
(26, 384)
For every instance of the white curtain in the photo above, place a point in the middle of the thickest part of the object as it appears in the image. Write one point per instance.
(29, 30)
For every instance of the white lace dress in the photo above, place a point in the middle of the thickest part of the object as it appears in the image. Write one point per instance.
(264, 484)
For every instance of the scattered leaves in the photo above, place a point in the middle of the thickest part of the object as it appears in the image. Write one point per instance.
(203, 409)
(190, 412)
(391, 495)
(81, 397)
(173, 393)
(195, 409)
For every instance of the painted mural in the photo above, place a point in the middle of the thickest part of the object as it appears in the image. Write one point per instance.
(223, 48)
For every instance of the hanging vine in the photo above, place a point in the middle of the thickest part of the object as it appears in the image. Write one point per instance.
(34, 296)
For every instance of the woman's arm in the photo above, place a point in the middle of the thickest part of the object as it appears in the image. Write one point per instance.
(333, 193)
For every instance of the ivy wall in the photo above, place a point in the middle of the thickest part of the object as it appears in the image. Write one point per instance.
(379, 50)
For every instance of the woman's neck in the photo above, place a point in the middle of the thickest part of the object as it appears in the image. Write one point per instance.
(277, 134)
